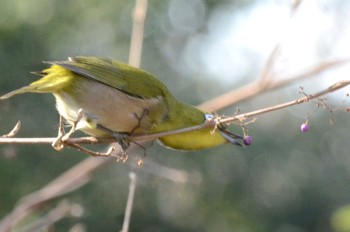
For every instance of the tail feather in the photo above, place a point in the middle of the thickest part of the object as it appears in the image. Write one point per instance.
(54, 79)
(25, 89)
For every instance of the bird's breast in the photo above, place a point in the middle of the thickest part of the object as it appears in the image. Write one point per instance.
(108, 107)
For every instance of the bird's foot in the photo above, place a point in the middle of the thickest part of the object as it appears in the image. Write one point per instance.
(123, 139)
(62, 136)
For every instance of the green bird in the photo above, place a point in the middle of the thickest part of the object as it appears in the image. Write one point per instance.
(104, 98)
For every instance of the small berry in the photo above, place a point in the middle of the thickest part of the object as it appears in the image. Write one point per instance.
(304, 127)
(247, 140)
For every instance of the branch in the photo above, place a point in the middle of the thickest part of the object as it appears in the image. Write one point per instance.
(253, 89)
(332, 88)
(62, 210)
(69, 181)
(139, 17)
(209, 123)
(130, 201)
(14, 131)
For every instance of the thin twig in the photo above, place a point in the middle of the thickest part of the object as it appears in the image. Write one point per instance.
(68, 181)
(14, 131)
(148, 137)
(130, 201)
(253, 89)
(332, 88)
(139, 17)
(64, 209)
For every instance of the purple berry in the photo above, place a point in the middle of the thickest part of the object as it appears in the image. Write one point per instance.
(304, 127)
(247, 140)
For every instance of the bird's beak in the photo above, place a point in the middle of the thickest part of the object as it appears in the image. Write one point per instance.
(232, 138)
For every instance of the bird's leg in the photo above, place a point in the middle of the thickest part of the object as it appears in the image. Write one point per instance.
(123, 139)
(58, 144)
(92, 153)
(139, 119)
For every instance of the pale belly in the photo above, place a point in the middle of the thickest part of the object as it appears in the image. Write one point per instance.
(108, 107)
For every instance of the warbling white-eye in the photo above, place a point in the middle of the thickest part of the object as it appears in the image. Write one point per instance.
(116, 98)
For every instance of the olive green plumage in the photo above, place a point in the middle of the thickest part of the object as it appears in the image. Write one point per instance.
(122, 99)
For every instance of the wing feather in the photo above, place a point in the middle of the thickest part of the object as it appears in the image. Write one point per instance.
(123, 77)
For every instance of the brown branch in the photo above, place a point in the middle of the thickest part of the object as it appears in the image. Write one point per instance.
(253, 89)
(148, 137)
(139, 17)
(14, 131)
(69, 181)
(130, 201)
(62, 210)
(332, 88)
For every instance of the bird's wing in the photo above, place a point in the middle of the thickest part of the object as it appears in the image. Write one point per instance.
(130, 80)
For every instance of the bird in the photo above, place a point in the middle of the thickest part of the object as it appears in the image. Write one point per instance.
(107, 98)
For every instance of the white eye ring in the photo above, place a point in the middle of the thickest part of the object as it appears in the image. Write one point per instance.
(209, 117)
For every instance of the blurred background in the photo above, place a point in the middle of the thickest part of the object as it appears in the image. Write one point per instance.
(285, 181)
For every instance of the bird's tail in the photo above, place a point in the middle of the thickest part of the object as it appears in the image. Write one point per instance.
(54, 79)
(25, 89)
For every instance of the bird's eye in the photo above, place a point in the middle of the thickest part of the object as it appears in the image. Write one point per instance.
(209, 117)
